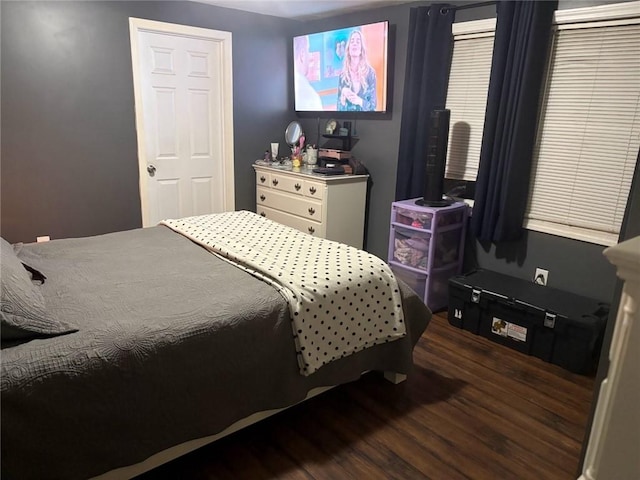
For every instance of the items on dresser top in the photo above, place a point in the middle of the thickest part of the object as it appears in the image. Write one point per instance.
(335, 154)
(310, 157)
(327, 206)
(330, 169)
(322, 166)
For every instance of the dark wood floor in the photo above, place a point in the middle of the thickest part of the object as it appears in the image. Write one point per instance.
(472, 409)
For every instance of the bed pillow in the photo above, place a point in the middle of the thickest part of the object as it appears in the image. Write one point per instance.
(22, 306)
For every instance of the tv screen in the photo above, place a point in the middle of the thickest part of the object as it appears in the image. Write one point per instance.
(342, 70)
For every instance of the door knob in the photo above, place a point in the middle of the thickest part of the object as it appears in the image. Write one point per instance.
(151, 169)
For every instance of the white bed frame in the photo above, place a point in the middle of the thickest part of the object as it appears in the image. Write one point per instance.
(176, 451)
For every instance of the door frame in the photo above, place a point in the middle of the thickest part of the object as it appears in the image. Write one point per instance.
(224, 66)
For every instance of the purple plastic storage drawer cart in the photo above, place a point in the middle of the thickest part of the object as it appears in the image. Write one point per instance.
(426, 247)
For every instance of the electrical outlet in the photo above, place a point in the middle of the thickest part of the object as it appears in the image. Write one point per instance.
(541, 276)
(44, 238)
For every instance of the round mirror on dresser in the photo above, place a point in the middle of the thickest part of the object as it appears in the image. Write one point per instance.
(293, 133)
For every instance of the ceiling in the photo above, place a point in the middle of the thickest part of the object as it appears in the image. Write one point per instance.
(302, 9)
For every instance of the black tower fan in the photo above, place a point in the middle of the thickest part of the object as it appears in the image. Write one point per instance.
(436, 160)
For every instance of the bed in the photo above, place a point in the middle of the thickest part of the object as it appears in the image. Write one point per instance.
(155, 340)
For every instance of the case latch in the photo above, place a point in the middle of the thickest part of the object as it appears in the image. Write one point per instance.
(549, 320)
(475, 295)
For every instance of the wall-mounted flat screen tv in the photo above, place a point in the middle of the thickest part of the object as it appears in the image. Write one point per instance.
(342, 70)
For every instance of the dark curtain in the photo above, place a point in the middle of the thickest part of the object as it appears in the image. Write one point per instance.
(425, 88)
(520, 51)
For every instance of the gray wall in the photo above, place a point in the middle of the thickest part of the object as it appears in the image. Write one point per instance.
(69, 151)
(69, 165)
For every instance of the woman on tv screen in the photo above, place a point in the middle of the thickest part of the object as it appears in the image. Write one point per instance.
(357, 84)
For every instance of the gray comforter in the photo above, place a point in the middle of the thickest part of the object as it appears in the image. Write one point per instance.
(172, 344)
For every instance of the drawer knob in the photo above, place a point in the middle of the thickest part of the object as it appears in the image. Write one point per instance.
(312, 210)
(297, 186)
(311, 230)
(312, 190)
(274, 181)
(262, 197)
(263, 214)
(263, 179)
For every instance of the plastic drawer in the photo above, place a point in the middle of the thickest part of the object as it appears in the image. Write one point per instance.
(438, 290)
(416, 281)
(413, 218)
(411, 247)
(447, 248)
(424, 219)
(450, 218)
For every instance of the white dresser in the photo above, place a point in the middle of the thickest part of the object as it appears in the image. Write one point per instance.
(327, 206)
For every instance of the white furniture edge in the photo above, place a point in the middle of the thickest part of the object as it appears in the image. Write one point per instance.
(626, 257)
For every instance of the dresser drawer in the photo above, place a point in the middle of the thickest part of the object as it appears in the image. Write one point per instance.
(307, 226)
(329, 207)
(288, 203)
(314, 189)
(286, 183)
(263, 178)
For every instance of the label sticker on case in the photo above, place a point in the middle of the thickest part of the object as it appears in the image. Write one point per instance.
(499, 327)
(508, 329)
(517, 332)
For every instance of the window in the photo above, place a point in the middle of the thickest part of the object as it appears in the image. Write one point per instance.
(467, 96)
(589, 133)
(589, 130)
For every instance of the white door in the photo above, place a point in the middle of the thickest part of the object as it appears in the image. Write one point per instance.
(184, 119)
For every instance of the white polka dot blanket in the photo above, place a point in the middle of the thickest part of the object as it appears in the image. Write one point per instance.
(342, 299)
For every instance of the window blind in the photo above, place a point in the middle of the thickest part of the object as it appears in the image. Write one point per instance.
(467, 96)
(589, 133)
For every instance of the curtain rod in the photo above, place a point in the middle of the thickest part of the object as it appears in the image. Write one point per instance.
(444, 10)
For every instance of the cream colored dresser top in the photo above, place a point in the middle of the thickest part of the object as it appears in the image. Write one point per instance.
(327, 206)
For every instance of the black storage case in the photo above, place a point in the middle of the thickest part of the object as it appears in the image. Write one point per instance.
(556, 326)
